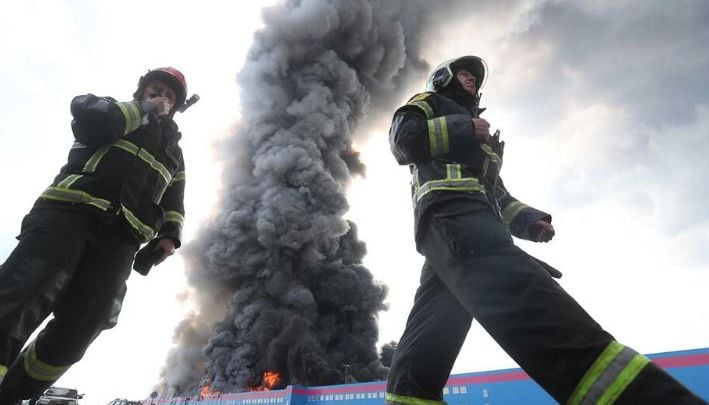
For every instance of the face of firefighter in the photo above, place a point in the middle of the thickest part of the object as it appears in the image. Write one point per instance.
(158, 88)
(467, 80)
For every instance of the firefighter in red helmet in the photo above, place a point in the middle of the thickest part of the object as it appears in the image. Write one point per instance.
(165, 76)
(122, 186)
(464, 222)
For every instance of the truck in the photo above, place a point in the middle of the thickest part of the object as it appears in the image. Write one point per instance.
(58, 396)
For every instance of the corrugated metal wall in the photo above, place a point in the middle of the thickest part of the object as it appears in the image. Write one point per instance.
(500, 387)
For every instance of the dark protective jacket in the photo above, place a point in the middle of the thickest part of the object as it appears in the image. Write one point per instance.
(124, 161)
(434, 135)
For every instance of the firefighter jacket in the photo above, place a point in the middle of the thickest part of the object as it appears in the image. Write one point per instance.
(434, 135)
(124, 161)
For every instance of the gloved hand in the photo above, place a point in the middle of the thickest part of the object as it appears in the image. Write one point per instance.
(482, 130)
(162, 105)
(150, 255)
(542, 231)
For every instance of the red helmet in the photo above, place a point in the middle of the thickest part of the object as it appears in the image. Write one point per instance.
(173, 77)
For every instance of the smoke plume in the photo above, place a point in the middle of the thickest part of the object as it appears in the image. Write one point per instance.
(278, 263)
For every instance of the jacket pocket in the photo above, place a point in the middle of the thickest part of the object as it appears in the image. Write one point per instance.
(471, 230)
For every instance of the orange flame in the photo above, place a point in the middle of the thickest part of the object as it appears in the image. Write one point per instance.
(206, 391)
(269, 380)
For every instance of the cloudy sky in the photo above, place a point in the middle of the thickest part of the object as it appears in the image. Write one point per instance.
(604, 106)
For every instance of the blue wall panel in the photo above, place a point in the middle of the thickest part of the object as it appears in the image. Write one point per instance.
(500, 387)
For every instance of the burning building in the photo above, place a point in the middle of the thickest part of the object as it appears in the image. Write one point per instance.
(498, 387)
(277, 272)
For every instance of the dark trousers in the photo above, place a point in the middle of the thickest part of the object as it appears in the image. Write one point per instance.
(73, 263)
(474, 270)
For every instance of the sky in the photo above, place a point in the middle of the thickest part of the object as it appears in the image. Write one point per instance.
(604, 107)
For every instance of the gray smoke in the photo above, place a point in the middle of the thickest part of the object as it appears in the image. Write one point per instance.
(279, 263)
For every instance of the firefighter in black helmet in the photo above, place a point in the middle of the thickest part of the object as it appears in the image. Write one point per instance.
(464, 222)
(123, 185)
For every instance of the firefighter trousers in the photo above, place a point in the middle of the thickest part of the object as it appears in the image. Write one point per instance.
(474, 270)
(74, 264)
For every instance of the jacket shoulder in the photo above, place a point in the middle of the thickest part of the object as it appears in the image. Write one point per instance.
(421, 102)
(421, 96)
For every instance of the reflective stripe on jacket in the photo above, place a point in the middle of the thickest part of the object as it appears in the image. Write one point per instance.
(125, 161)
(434, 134)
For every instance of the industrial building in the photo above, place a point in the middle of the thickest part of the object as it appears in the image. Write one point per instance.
(499, 387)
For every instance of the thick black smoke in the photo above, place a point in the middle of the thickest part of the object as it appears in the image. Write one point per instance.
(279, 252)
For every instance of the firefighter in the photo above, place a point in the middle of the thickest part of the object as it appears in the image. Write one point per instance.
(464, 220)
(122, 186)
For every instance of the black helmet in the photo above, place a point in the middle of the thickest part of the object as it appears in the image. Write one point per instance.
(444, 73)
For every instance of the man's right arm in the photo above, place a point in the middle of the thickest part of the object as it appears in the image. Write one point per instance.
(102, 120)
(417, 135)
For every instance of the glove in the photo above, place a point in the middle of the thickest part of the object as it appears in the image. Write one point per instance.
(161, 105)
(146, 257)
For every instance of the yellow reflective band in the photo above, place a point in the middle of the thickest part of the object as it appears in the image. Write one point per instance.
(3, 371)
(444, 134)
(69, 180)
(432, 139)
(421, 96)
(179, 176)
(400, 399)
(511, 211)
(609, 375)
(594, 372)
(127, 146)
(94, 160)
(466, 184)
(144, 230)
(422, 105)
(161, 194)
(634, 367)
(438, 136)
(157, 166)
(491, 154)
(39, 370)
(453, 171)
(174, 216)
(132, 114)
(75, 196)
(145, 156)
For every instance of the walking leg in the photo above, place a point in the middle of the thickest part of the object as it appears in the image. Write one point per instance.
(536, 322)
(435, 331)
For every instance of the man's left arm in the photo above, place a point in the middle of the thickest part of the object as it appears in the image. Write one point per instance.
(524, 222)
(170, 233)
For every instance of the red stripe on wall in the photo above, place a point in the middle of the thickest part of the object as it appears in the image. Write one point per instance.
(488, 378)
(683, 361)
(514, 375)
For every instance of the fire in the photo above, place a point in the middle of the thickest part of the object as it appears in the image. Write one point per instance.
(206, 391)
(270, 378)
(268, 381)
